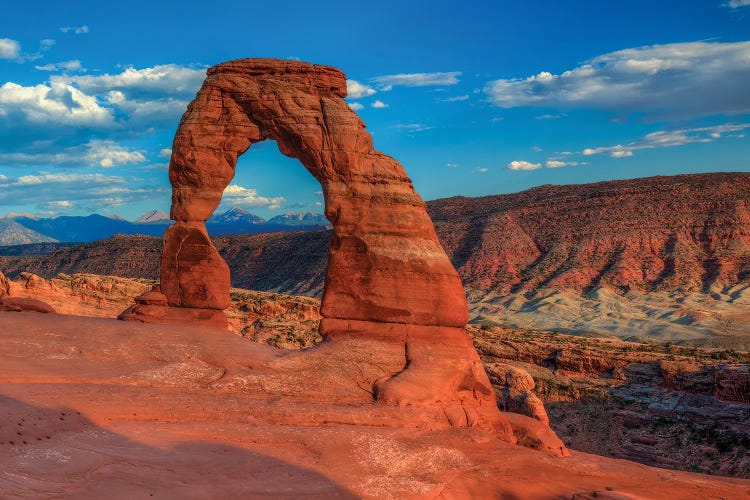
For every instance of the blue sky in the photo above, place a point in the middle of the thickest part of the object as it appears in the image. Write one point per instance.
(473, 99)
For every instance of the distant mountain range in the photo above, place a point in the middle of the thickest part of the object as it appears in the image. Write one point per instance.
(294, 219)
(153, 216)
(24, 229)
(13, 233)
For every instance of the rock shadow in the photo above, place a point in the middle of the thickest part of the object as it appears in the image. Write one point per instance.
(57, 452)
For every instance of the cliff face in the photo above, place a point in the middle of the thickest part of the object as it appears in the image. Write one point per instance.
(687, 233)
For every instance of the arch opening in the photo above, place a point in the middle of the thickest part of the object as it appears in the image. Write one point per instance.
(290, 201)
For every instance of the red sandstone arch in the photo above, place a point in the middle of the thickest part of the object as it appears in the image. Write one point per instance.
(386, 263)
(388, 278)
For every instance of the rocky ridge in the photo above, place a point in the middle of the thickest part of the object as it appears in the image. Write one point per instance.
(684, 232)
(13, 233)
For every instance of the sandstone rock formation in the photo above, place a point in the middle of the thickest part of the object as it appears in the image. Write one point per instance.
(4, 285)
(152, 307)
(388, 279)
(80, 294)
(516, 391)
(22, 304)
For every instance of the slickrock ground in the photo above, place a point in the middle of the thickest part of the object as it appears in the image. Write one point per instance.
(96, 407)
(673, 407)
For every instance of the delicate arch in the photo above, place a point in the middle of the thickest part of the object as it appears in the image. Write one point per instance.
(388, 279)
(386, 264)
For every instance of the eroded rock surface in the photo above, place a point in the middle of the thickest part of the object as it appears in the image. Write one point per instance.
(386, 263)
(21, 304)
(4, 285)
(388, 279)
(668, 406)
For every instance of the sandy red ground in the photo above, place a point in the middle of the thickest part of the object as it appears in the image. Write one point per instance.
(96, 408)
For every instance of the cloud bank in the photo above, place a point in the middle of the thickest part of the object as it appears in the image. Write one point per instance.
(669, 81)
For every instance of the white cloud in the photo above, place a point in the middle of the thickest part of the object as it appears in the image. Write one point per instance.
(379, 105)
(451, 165)
(101, 153)
(61, 191)
(523, 165)
(536, 149)
(9, 49)
(551, 116)
(46, 178)
(108, 154)
(356, 106)
(47, 43)
(56, 103)
(166, 80)
(61, 204)
(559, 163)
(416, 79)
(735, 4)
(74, 65)
(618, 151)
(78, 30)
(165, 153)
(479, 170)
(135, 101)
(356, 90)
(238, 195)
(675, 80)
(414, 127)
(670, 138)
(151, 110)
(457, 98)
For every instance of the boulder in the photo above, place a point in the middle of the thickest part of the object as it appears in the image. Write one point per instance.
(21, 304)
